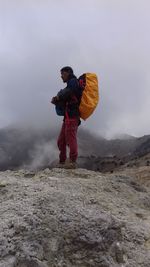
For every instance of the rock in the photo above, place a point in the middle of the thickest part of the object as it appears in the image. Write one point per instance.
(29, 174)
(30, 263)
(2, 185)
(8, 262)
(74, 218)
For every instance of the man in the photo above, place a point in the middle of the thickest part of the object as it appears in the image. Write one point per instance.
(69, 98)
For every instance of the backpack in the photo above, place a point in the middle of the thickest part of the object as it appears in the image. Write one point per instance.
(88, 83)
(60, 109)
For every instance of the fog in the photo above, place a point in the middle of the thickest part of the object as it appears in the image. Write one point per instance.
(110, 38)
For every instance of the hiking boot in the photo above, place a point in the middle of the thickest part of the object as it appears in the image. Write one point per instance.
(60, 165)
(70, 165)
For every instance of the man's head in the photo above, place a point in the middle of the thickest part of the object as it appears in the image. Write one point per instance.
(66, 73)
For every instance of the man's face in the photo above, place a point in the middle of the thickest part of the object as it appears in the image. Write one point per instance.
(64, 76)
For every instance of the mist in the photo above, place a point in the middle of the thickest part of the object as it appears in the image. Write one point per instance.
(38, 38)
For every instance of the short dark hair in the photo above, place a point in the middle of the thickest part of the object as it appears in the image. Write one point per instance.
(67, 69)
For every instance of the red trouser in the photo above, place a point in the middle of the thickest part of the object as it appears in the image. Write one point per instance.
(68, 136)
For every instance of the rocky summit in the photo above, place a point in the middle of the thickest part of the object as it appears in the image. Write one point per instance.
(75, 218)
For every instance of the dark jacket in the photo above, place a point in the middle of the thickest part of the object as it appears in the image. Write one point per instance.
(70, 97)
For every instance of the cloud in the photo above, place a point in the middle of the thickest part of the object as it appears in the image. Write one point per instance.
(109, 38)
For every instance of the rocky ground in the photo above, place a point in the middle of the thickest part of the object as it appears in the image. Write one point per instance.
(75, 218)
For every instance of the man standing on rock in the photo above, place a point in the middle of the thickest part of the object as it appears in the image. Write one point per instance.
(67, 104)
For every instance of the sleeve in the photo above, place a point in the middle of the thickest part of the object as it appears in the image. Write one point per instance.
(71, 88)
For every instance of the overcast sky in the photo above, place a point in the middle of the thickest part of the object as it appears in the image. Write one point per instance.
(109, 37)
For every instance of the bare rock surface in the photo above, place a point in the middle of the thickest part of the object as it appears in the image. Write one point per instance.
(73, 218)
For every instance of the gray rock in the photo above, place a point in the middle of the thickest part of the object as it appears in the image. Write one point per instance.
(73, 218)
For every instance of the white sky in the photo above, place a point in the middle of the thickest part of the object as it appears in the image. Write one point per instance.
(109, 37)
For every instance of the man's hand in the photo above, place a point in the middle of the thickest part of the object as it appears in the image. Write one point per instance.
(55, 99)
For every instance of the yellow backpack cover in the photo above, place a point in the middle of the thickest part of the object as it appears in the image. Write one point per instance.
(90, 94)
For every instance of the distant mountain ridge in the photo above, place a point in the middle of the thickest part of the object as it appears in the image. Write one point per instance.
(20, 146)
